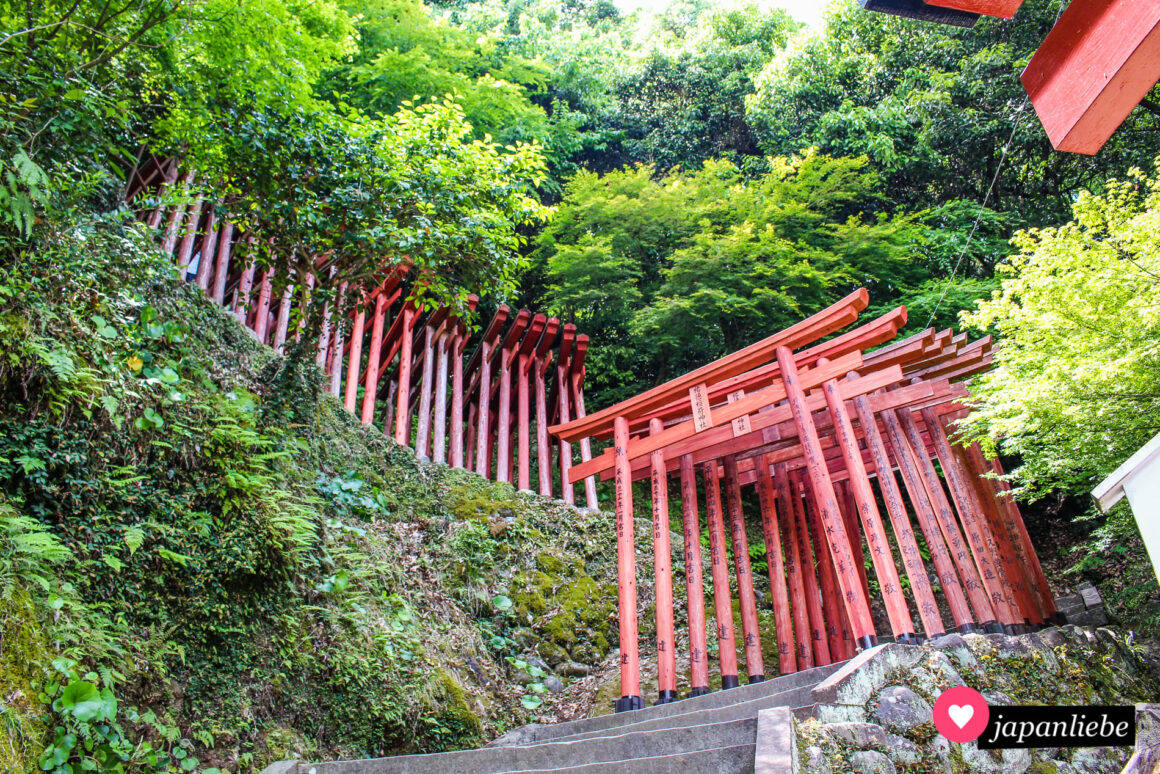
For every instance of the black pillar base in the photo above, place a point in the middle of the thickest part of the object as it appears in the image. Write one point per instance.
(868, 641)
(935, 636)
(992, 627)
(756, 679)
(667, 697)
(969, 628)
(729, 681)
(629, 703)
(908, 639)
(698, 691)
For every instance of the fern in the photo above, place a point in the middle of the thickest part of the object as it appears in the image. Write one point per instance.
(28, 553)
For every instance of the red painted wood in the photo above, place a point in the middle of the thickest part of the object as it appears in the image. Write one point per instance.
(751, 405)
(282, 327)
(801, 536)
(543, 444)
(390, 404)
(1014, 569)
(324, 338)
(900, 522)
(578, 372)
(563, 399)
(504, 416)
(208, 249)
(718, 563)
(1004, 9)
(526, 356)
(483, 401)
(849, 511)
(775, 564)
(439, 430)
(371, 386)
(507, 355)
(694, 582)
(457, 396)
(354, 364)
(827, 321)
(803, 653)
(262, 313)
(959, 550)
(919, 499)
(878, 331)
(192, 221)
(541, 362)
(663, 575)
(524, 421)
(243, 292)
(1095, 66)
(835, 623)
(626, 568)
(852, 594)
(177, 217)
(306, 290)
(1019, 530)
(472, 422)
(334, 361)
(865, 506)
(222, 264)
(403, 401)
(426, 394)
(750, 631)
(977, 534)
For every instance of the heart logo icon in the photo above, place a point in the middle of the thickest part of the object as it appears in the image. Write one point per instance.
(961, 714)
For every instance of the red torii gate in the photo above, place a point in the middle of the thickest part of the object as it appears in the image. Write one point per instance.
(1096, 65)
(812, 426)
(411, 365)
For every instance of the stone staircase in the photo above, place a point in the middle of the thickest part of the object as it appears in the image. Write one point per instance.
(718, 733)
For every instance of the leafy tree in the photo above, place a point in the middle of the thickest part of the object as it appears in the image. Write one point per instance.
(933, 108)
(354, 196)
(405, 53)
(668, 273)
(685, 102)
(1074, 391)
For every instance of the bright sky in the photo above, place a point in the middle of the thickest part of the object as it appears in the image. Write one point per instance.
(808, 11)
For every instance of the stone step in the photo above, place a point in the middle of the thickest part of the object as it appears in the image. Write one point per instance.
(745, 710)
(533, 733)
(657, 743)
(737, 759)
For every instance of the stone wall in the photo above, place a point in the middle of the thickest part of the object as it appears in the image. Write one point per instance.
(874, 715)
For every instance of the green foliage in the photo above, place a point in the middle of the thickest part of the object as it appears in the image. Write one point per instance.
(234, 567)
(28, 552)
(1074, 390)
(87, 735)
(933, 107)
(670, 273)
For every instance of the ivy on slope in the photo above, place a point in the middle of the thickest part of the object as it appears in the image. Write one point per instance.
(191, 528)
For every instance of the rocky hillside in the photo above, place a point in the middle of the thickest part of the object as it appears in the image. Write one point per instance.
(878, 717)
(205, 562)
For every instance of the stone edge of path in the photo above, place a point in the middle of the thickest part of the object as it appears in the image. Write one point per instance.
(776, 742)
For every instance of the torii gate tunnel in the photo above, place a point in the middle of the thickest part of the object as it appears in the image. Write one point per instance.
(391, 363)
(819, 430)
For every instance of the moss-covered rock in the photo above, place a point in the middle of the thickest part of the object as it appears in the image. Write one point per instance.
(24, 657)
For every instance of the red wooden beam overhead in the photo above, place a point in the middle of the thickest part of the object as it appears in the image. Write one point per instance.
(823, 323)
(1099, 61)
(1004, 9)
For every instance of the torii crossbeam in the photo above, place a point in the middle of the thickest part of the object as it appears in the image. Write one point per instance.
(819, 429)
